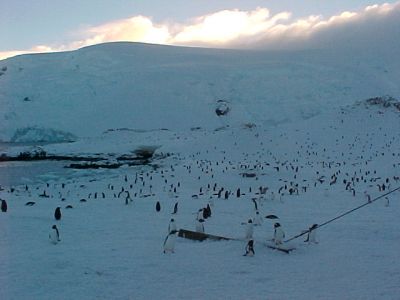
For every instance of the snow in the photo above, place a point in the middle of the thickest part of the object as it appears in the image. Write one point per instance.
(110, 250)
(148, 87)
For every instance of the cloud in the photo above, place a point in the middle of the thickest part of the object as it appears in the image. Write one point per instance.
(227, 26)
(256, 29)
(377, 23)
(7, 54)
(35, 49)
(135, 29)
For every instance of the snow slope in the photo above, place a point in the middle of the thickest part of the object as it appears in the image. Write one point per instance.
(110, 250)
(62, 96)
(294, 121)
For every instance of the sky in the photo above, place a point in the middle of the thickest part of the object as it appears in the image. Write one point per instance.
(29, 26)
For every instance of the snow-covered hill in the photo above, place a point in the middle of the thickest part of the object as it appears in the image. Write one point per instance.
(306, 128)
(62, 96)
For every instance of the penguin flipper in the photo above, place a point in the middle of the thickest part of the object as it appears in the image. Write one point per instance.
(165, 240)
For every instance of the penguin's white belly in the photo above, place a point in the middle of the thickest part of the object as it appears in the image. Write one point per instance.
(312, 237)
(53, 237)
(258, 220)
(249, 232)
(199, 227)
(169, 244)
(279, 236)
(171, 227)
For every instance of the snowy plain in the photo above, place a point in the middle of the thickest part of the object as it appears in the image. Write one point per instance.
(301, 137)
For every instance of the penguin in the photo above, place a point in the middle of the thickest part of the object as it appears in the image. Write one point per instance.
(158, 206)
(175, 208)
(255, 204)
(57, 213)
(249, 248)
(279, 234)
(312, 234)
(172, 225)
(169, 242)
(257, 219)
(226, 195)
(200, 214)
(208, 210)
(3, 205)
(249, 230)
(200, 226)
(367, 197)
(54, 235)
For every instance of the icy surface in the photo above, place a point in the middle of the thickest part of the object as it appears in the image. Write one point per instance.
(110, 250)
(293, 120)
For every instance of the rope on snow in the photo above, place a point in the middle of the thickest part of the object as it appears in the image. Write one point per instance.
(342, 215)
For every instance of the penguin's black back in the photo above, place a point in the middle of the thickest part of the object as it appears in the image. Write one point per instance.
(158, 206)
(3, 205)
(57, 214)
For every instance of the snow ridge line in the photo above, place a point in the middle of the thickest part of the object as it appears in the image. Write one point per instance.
(342, 215)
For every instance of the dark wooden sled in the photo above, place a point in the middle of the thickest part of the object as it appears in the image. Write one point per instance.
(282, 248)
(198, 236)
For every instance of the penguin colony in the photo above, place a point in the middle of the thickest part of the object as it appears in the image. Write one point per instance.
(348, 163)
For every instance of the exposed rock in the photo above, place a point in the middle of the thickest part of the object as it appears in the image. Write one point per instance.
(145, 152)
(222, 108)
(383, 102)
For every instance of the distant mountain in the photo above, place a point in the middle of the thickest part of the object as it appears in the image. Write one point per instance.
(82, 93)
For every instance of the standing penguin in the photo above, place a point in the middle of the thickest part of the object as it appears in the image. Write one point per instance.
(175, 208)
(158, 206)
(312, 234)
(279, 234)
(200, 214)
(255, 204)
(57, 213)
(3, 205)
(169, 242)
(200, 226)
(249, 230)
(226, 195)
(172, 225)
(257, 219)
(208, 210)
(54, 235)
(249, 248)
